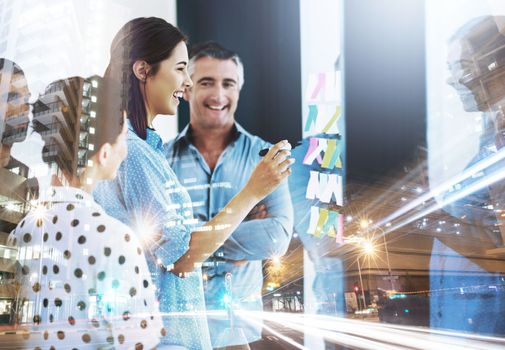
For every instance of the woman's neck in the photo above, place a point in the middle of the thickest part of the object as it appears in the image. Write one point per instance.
(88, 179)
(150, 117)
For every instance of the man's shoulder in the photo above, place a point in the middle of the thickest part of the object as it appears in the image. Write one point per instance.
(169, 144)
(168, 147)
(175, 145)
(253, 141)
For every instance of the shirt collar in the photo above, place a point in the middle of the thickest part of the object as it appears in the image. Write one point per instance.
(185, 134)
(153, 139)
(67, 195)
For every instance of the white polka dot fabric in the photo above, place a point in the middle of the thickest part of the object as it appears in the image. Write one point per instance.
(147, 196)
(84, 279)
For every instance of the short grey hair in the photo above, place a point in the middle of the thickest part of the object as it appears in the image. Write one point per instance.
(217, 51)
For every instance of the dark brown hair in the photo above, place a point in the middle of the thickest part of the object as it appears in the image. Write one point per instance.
(149, 39)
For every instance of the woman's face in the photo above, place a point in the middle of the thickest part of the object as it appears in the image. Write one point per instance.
(164, 89)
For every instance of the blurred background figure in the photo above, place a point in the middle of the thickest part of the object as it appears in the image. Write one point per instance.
(14, 120)
(476, 301)
(64, 115)
(14, 109)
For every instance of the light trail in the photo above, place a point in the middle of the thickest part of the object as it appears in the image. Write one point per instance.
(447, 185)
(222, 314)
(277, 334)
(488, 180)
(336, 337)
(371, 335)
(356, 334)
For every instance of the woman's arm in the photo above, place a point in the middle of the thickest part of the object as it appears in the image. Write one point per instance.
(267, 175)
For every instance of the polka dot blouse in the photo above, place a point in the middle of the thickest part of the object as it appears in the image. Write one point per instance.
(84, 279)
(147, 196)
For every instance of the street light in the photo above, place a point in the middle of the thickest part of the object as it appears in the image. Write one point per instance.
(362, 287)
(276, 260)
(368, 247)
(390, 275)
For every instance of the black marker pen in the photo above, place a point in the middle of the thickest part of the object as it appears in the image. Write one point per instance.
(264, 151)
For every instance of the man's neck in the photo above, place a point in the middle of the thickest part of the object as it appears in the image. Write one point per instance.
(212, 142)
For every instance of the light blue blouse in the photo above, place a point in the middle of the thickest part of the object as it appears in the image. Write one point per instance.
(147, 196)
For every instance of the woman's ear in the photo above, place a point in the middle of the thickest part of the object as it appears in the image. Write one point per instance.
(141, 70)
(103, 154)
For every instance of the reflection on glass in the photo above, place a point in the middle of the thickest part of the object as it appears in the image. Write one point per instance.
(14, 110)
(62, 117)
(467, 272)
(14, 119)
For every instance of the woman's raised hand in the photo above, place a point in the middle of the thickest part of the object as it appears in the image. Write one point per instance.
(270, 171)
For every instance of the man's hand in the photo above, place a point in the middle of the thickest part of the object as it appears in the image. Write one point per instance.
(258, 212)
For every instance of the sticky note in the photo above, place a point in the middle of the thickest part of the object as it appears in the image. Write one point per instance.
(316, 147)
(321, 81)
(332, 127)
(311, 118)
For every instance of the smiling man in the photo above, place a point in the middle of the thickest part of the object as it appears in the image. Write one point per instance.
(213, 157)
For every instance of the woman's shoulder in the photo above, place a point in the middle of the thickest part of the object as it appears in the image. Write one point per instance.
(110, 228)
(140, 149)
(135, 143)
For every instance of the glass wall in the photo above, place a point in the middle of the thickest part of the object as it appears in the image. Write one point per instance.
(408, 258)
(465, 57)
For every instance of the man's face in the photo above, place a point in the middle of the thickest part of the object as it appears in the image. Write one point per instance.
(214, 96)
(463, 77)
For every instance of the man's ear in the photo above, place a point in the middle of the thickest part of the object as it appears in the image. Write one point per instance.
(141, 70)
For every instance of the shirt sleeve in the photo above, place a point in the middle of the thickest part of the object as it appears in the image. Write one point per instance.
(148, 189)
(263, 238)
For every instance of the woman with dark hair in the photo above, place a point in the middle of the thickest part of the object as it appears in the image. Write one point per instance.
(75, 262)
(151, 57)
